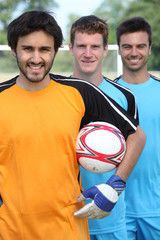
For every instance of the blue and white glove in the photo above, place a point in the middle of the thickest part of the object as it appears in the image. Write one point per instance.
(104, 198)
(117, 183)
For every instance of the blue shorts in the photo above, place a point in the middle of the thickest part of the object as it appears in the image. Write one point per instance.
(117, 235)
(146, 228)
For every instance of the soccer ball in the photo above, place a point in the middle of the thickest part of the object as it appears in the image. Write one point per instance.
(100, 147)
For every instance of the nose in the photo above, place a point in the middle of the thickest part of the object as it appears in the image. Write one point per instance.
(134, 51)
(36, 57)
(88, 52)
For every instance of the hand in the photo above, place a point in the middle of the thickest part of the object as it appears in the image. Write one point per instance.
(104, 199)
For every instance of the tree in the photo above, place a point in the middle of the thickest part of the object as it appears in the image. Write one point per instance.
(41, 4)
(7, 11)
(112, 11)
(71, 18)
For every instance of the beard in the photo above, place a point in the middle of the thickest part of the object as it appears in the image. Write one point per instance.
(35, 77)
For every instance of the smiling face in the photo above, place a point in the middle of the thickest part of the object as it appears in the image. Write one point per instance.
(35, 55)
(134, 50)
(88, 51)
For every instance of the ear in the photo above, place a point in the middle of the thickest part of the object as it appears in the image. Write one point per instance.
(70, 48)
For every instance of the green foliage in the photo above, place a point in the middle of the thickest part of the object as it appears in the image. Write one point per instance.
(8, 62)
(112, 11)
(63, 63)
(7, 11)
(71, 18)
(3, 37)
(41, 4)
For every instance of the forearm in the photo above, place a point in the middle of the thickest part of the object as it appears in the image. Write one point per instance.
(134, 147)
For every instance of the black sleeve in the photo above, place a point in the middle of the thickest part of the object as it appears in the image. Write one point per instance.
(7, 84)
(99, 106)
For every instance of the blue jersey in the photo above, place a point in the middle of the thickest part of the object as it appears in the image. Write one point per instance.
(116, 220)
(143, 185)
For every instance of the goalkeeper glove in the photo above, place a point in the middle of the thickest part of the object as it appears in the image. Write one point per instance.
(104, 198)
(117, 183)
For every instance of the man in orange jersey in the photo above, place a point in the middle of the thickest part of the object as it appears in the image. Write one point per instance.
(41, 115)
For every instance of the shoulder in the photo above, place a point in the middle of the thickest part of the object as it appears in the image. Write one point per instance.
(7, 84)
(67, 80)
(81, 85)
(117, 85)
(155, 78)
(90, 93)
(127, 92)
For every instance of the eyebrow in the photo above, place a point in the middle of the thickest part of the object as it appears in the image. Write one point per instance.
(139, 44)
(84, 44)
(23, 46)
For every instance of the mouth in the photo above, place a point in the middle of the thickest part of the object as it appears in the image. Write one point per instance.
(133, 61)
(35, 68)
(87, 61)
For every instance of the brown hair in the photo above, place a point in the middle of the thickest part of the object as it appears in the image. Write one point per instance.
(90, 25)
(135, 24)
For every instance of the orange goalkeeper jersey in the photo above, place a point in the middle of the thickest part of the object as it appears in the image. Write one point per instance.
(39, 173)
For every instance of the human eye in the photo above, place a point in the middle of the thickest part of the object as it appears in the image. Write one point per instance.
(126, 46)
(95, 46)
(80, 46)
(45, 49)
(27, 48)
(142, 46)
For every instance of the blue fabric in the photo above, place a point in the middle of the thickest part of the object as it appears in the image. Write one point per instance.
(116, 235)
(145, 228)
(116, 220)
(143, 185)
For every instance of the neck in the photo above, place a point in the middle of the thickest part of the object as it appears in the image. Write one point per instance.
(32, 86)
(95, 78)
(138, 77)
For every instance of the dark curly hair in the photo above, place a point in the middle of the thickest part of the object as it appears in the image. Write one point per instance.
(32, 21)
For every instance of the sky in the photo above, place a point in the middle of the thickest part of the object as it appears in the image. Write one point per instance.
(80, 7)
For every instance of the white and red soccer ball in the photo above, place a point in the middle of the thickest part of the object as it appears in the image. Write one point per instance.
(100, 147)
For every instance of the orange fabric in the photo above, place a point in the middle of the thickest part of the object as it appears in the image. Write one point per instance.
(38, 166)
